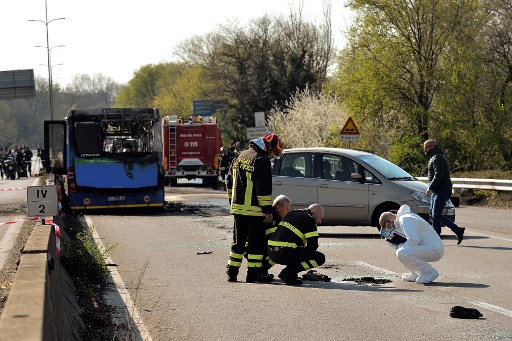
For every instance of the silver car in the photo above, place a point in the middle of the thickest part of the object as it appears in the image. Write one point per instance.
(354, 187)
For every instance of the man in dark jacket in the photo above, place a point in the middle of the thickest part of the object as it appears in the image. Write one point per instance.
(249, 185)
(440, 188)
(295, 243)
(27, 156)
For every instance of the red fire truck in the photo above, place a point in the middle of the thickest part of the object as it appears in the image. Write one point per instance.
(191, 149)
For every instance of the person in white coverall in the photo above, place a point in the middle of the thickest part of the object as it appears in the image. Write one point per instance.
(423, 244)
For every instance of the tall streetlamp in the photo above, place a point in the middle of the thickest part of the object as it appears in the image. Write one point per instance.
(48, 50)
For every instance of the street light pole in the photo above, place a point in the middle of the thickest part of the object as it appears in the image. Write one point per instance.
(48, 50)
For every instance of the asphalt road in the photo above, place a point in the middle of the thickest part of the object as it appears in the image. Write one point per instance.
(175, 292)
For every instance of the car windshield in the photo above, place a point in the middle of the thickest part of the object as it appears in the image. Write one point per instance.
(386, 168)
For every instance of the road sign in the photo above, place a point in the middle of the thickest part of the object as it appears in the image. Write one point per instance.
(42, 201)
(255, 132)
(349, 132)
(349, 128)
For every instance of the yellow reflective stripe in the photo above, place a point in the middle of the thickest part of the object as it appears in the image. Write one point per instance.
(282, 244)
(236, 255)
(246, 210)
(235, 264)
(254, 257)
(311, 234)
(294, 230)
(314, 263)
(305, 265)
(254, 265)
(271, 230)
(248, 189)
(270, 261)
(265, 200)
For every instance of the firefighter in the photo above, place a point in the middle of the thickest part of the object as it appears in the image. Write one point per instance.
(223, 163)
(250, 185)
(295, 243)
(282, 205)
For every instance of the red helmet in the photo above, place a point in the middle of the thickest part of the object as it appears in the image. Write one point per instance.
(273, 143)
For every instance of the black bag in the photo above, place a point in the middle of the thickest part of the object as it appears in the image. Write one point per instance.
(396, 238)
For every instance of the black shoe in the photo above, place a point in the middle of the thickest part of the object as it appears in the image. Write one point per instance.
(460, 234)
(232, 273)
(260, 278)
(289, 277)
(465, 313)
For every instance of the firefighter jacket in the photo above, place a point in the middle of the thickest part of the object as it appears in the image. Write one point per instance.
(272, 227)
(250, 182)
(223, 161)
(297, 229)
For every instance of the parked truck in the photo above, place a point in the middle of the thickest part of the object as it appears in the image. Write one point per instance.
(191, 149)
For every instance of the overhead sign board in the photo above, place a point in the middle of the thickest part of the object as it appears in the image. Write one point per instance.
(209, 107)
(255, 132)
(42, 201)
(17, 84)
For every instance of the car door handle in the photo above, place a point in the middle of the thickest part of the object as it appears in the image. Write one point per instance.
(277, 183)
(323, 186)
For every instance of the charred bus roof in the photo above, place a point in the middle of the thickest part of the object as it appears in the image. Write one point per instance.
(99, 114)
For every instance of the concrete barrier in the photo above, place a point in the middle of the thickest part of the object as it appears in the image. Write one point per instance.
(42, 303)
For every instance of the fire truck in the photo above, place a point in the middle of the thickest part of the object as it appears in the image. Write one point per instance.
(191, 149)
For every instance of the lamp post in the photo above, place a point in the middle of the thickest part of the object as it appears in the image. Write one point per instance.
(48, 50)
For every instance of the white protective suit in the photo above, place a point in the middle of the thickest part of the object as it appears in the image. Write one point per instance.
(423, 245)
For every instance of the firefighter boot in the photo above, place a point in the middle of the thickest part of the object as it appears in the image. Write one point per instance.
(257, 275)
(290, 277)
(232, 272)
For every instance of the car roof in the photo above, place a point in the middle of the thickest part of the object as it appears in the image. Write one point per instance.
(342, 151)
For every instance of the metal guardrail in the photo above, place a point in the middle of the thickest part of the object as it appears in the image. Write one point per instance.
(469, 183)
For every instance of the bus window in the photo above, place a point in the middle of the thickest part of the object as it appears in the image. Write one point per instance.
(88, 139)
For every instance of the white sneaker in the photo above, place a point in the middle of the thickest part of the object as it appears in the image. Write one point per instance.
(429, 278)
(409, 277)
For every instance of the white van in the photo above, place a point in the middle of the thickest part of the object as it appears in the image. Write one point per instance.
(354, 187)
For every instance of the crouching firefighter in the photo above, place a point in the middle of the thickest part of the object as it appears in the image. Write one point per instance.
(295, 243)
(250, 184)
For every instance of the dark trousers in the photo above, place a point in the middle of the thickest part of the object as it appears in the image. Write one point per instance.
(250, 230)
(298, 259)
(437, 201)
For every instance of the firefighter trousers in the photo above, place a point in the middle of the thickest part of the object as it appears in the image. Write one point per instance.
(298, 259)
(250, 230)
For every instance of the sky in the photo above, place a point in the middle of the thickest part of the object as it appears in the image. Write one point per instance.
(117, 37)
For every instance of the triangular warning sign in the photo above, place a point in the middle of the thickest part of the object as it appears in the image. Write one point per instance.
(349, 128)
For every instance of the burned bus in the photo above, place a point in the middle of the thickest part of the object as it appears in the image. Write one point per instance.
(107, 158)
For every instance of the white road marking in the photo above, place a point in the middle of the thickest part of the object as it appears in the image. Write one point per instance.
(484, 305)
(129, 306)
(486, 235)
(375, 268)
(8, 240)
(494, 308)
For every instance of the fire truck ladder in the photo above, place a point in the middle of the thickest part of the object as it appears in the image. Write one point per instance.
(173, 158)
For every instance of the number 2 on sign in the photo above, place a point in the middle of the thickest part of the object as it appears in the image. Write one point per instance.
(42, 209)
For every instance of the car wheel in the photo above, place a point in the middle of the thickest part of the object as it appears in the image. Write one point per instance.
(381, 209)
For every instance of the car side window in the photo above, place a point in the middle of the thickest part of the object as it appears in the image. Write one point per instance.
(370, 178)
(329, 166)
(298, 165)
(344, 169)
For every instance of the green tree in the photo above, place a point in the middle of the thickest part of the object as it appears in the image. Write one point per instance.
(392, 69)
(142, 88)
(261, 65)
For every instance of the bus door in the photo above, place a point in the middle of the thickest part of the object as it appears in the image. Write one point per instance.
(54, 155)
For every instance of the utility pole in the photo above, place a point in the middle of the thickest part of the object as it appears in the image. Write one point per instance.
(48, 50)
